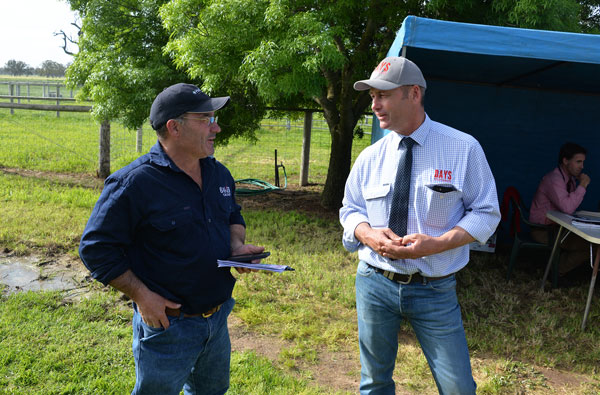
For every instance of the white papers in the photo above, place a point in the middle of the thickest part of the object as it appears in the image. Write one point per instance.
(586, 220)
(256, 266)
(594, 214)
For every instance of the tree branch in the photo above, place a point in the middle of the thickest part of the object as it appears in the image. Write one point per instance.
(66, 38)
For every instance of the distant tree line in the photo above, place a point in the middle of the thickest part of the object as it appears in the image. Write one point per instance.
(48, 68)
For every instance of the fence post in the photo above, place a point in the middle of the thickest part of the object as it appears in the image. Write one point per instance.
(57, 100)
(304, 163)
(276, 170)
(11, 90)
(139, 138)
(104, 151)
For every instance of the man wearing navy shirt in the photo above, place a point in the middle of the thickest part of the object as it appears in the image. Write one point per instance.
(156, 233)
(412, 203)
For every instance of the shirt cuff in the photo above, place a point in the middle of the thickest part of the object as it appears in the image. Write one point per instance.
(349, 240)
(479, 227)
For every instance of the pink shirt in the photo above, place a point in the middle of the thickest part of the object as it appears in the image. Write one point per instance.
(552, 194)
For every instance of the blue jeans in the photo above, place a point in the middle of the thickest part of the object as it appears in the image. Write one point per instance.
(433, 311)
(193, 354)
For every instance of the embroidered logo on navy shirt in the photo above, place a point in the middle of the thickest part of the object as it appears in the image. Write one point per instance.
(225, 191)
(442, 175)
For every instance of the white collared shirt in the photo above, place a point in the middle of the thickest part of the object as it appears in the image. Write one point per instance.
(443, 157)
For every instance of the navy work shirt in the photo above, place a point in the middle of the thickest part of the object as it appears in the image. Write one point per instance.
(154, 219)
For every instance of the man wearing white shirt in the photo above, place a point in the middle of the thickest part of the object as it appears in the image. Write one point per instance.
(450, 201)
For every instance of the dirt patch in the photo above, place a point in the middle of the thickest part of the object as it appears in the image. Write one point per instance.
(339, 370)
(72, 179)
(305, 200)
(565, 382)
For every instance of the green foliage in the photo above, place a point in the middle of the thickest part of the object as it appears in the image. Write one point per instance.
(284, 53)
(120, 65)
(17, 68)
(563, 15)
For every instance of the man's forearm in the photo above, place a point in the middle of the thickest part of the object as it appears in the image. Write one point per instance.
(130, 285)
(361, 231)
(454, 238)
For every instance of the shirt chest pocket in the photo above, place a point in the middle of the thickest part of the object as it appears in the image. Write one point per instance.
(444, 205)
(169, 222)
(173, 231)
(377, 205)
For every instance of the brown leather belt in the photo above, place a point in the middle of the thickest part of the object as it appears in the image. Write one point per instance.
(407, 278)
(206, 314)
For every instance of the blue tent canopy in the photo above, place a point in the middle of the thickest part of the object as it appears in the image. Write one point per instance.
(522, 93)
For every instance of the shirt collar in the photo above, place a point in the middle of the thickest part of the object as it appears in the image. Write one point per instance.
(565, 176)
(419, 135)
(159, 157)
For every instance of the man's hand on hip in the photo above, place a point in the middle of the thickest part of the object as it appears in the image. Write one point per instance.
(151, 305)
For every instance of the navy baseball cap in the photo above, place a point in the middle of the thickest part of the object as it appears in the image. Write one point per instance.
(179, 99)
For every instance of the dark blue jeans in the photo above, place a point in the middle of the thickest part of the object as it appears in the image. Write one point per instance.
(193, 354)
(433, 311)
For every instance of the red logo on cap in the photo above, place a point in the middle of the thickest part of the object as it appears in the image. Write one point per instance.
(383, 67)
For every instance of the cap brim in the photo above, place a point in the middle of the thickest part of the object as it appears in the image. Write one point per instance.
(377, 84)
(214, 104)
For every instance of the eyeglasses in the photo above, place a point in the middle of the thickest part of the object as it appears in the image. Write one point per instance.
(209, 120)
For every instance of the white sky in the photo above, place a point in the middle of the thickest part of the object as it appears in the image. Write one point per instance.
(27, 27)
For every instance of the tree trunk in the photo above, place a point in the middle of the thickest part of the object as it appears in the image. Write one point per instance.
(339, 165)
(104, 150)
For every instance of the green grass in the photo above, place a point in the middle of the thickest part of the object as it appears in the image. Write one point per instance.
(53, 346)
(512, 328)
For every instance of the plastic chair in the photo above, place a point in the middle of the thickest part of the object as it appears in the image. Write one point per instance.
(522, 238)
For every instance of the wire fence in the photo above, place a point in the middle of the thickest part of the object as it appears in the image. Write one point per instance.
(40, 141)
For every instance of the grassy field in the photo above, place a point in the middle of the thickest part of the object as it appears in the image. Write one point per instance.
(517, 335)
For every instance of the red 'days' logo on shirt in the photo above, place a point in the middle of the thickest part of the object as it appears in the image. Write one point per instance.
(442, 175)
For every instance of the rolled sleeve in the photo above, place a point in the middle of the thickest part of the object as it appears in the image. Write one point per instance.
(482, 211)
(106, 235)
(236, 218)
(353, 211)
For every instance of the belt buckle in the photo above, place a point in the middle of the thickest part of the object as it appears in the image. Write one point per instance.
(211, 311)
(407, 281)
